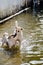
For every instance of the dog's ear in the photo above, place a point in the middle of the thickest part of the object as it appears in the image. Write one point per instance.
(21, 28)
(16, 24)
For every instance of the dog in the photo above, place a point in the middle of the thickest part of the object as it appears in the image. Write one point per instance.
(14, 39)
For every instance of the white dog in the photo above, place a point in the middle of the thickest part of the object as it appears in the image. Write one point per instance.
(13, 39)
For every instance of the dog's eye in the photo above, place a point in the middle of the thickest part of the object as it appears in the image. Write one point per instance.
(18, 30)
(21, 29)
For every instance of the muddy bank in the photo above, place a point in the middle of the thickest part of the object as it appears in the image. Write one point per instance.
(13, 15)
(9, 7)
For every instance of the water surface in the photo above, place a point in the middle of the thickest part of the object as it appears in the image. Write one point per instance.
(31, 51)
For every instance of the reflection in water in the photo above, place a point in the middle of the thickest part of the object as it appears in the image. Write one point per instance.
(31, 51)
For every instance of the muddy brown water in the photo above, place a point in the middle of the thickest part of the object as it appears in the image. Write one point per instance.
(31, 52)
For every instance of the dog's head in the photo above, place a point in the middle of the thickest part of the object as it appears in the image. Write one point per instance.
(19, 29)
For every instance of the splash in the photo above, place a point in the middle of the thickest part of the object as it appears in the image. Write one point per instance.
(0, 42)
